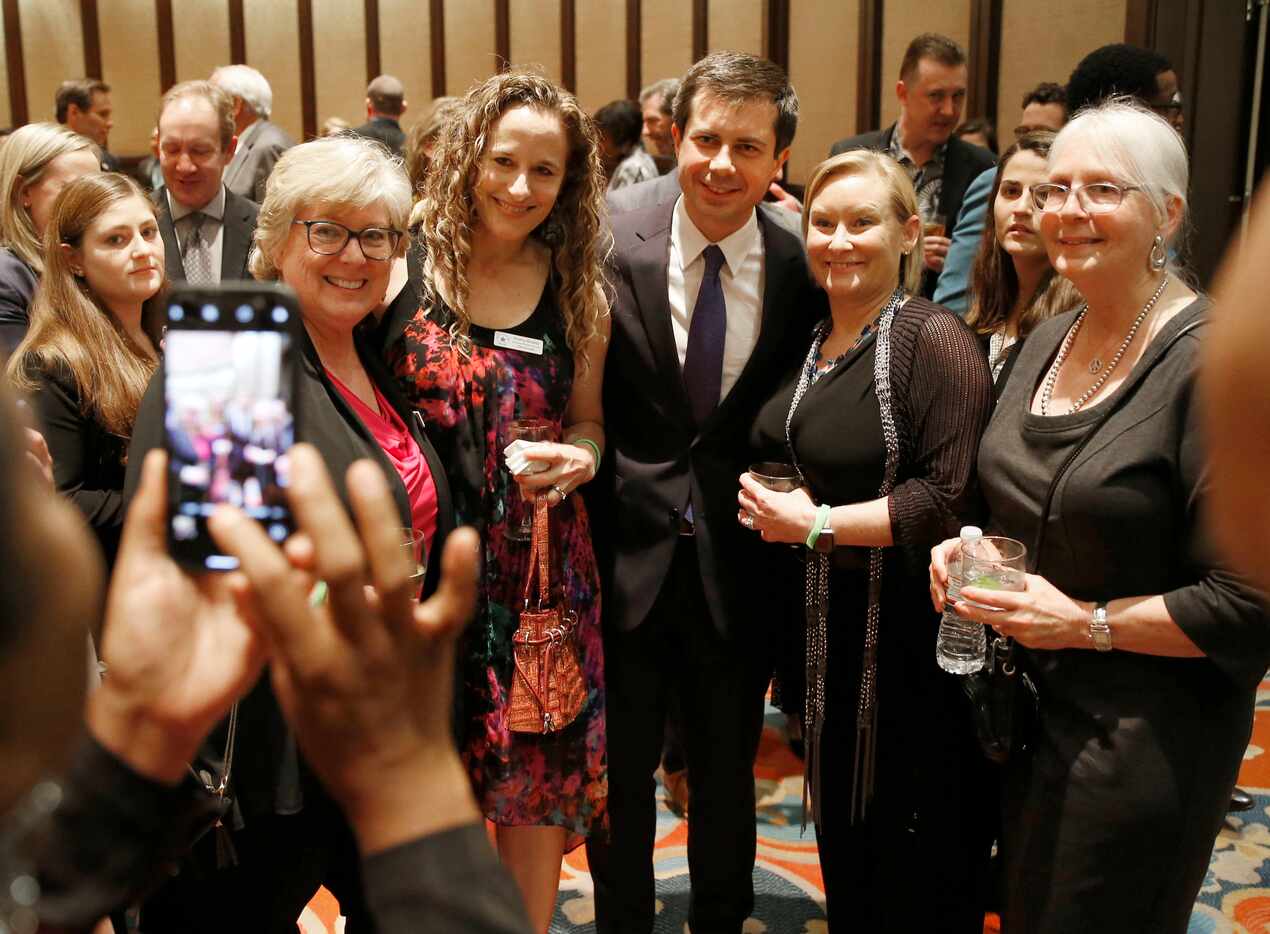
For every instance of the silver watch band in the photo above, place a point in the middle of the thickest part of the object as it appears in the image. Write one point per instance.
(1099, 628)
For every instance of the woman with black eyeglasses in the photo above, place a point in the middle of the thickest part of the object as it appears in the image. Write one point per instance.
(1145, 652)
(332, 221)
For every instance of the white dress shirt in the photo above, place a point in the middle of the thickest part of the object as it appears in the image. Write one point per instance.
(213, 231)
(741, 278)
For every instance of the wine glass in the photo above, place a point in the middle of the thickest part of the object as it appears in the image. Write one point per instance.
(416, 548)
(520, 513)
(994, 562)
(777, 477)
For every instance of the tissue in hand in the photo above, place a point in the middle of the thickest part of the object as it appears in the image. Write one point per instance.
(517, 463)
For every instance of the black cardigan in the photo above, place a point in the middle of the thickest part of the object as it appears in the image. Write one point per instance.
(266, 780)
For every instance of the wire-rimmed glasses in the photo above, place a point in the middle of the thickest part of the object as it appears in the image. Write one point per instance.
(1094, 198)
(329, 238)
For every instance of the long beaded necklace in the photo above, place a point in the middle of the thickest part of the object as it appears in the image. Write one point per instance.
(1048, 390)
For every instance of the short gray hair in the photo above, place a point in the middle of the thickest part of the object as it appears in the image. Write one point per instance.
(333, 172)
(1137, 145)
(667, 88)
(248, 85)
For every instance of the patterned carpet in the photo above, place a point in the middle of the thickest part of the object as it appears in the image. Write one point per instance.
(1235, 898)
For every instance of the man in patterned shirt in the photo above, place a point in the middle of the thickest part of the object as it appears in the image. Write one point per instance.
(932, 91)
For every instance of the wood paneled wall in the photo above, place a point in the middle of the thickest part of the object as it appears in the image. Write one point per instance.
(317, 54)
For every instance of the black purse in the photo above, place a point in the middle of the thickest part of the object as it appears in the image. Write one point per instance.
(1004, 701)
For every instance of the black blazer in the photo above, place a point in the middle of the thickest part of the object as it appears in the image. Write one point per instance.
(383, 130)
(657, 455)
(239, 224)
(17, 287)
(88, 461)
(265, 771)
(963, 162)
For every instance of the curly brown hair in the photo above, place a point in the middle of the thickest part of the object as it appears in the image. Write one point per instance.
(575, 231)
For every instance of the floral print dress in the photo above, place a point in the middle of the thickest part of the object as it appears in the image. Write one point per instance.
(469, 400)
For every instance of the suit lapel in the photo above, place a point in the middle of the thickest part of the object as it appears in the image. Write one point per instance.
(242, 154)
(237, 238)
(167, 230)
(650, 283)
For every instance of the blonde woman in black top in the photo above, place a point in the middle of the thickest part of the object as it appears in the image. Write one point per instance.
(883, 421)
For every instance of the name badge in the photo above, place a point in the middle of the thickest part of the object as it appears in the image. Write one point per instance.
(516, 342)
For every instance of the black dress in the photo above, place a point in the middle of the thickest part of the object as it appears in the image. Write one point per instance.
(925, 823)
(1110, 822)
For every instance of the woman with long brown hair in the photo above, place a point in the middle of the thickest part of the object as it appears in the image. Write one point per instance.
(1013, 287)
(93, 341)
(514, 324)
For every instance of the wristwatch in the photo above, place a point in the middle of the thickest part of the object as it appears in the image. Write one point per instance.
(824, 541)
(1099, 630)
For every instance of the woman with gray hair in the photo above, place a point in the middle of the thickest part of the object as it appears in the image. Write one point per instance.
(1145, 652)
(36, 163)
(332, 221)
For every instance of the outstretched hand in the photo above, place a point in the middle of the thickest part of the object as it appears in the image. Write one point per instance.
(365, 679)
(177, 648)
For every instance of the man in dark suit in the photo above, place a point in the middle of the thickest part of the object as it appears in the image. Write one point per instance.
(385, 103)
(260, 141)
(206, 228)
(711, 305)
(83, 105)
(931, 91)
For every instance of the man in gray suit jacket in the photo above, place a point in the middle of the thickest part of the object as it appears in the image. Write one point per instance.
(260, 142)
(206, 228)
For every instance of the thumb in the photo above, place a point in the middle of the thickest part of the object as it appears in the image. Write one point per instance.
(446, 612)
(144, 528)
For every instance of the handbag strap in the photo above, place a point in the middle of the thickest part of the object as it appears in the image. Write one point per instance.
(1110, 408)
(539, 555)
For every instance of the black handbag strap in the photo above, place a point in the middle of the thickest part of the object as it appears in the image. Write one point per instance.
(1109, 408)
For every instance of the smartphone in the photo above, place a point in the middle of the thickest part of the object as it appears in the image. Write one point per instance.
(230, 364)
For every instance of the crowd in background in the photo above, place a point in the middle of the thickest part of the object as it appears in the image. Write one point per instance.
(945, 327)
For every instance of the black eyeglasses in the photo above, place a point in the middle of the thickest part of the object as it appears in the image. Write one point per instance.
(329, 238)
(1096, 198)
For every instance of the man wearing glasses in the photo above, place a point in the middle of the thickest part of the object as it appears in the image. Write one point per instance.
(206, 228)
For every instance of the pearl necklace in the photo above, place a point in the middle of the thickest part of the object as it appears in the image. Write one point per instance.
(1048, 390)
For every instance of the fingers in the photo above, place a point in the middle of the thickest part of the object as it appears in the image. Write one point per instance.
(380, 528)
(1001, 599)
(341, 561)
(145, 526)
(279, 599)
(447, 611)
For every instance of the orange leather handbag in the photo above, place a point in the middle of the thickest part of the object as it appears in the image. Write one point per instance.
(548, 690)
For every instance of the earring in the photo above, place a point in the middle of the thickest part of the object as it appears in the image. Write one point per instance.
(1159, 256)
(551, 231)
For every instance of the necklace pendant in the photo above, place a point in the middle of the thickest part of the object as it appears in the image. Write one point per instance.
(1095, 365)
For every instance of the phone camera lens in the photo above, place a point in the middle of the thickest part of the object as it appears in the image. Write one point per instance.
(244, 314)
(280, 315)
(211, 313)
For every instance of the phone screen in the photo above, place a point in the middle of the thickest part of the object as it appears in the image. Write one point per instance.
(229, 416)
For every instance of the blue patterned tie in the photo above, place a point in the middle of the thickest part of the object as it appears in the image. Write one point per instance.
(703, 362)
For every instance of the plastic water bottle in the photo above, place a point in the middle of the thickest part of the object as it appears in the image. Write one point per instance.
(962, 645)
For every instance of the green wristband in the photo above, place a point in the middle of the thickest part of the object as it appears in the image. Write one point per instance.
(822, 518)
(595, 449)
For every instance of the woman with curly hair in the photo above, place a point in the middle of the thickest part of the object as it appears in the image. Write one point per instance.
(514, 324)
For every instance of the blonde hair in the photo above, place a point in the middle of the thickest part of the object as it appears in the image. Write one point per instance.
(575, 231)
(903, 200)
(71, 329)
(26, 153)
(334, 172)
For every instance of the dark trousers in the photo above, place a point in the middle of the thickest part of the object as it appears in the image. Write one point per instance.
(282, 859)
(720, 683)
